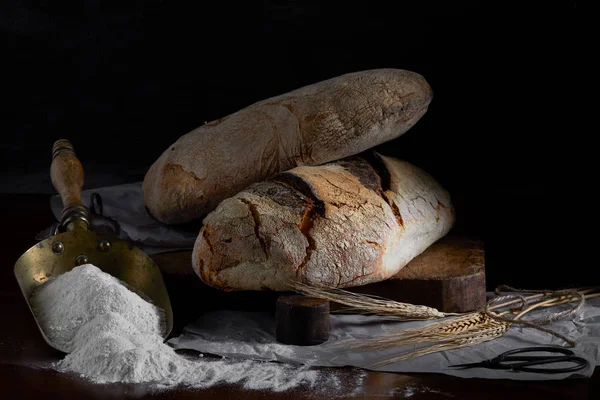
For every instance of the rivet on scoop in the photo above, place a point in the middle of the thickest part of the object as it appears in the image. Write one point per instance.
(58, 247)
(104, 245)
(81, 259)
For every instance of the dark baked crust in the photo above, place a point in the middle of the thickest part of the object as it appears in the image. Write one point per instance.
(332, 225)
(316, 124)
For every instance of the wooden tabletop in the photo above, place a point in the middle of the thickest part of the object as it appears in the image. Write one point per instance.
(23, 351)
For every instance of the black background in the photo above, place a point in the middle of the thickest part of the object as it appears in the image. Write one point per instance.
(123, 80)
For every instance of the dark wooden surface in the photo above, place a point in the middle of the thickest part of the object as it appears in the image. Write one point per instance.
(22, 348)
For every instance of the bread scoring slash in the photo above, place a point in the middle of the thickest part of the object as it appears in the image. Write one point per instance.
(316, 124)
(347, 223)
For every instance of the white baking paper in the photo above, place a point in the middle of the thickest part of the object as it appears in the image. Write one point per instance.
(250, 335)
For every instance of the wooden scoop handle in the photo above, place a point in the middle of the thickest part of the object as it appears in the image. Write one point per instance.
(66, 173)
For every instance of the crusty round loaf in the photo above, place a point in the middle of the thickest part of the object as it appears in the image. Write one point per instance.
(312, 125)
(347, 223)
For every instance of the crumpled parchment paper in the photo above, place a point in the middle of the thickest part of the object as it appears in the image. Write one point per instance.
(250, 335)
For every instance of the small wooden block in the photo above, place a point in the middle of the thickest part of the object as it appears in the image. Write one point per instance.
(449, 275)
(301, 321)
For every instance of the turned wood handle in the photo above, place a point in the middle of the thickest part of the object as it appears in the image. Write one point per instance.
(66, 173)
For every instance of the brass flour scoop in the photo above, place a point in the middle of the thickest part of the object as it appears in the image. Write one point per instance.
(79, 245)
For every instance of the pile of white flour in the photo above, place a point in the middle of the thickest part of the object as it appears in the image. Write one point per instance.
(113, 335)
(73, 300)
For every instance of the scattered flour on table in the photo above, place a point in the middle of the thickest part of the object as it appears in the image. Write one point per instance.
(113, 335)
(409, 391)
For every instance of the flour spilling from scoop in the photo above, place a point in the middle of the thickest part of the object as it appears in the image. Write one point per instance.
(73, 300)
(114, 335)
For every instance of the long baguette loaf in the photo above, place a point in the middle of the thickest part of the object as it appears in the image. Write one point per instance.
(347, 223)
(315, 124)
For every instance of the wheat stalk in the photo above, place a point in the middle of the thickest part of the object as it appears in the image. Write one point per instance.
(455, 333)
(461, 331)
(460, 328)
(482, 334)
(368, 304)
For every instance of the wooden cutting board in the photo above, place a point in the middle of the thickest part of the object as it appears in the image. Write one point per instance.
(449, 275)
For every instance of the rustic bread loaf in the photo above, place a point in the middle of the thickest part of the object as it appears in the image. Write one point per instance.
(347, 223)
(315, 124)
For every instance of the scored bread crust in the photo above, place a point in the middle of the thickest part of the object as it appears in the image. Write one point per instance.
(347, 223)
(312, 125)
